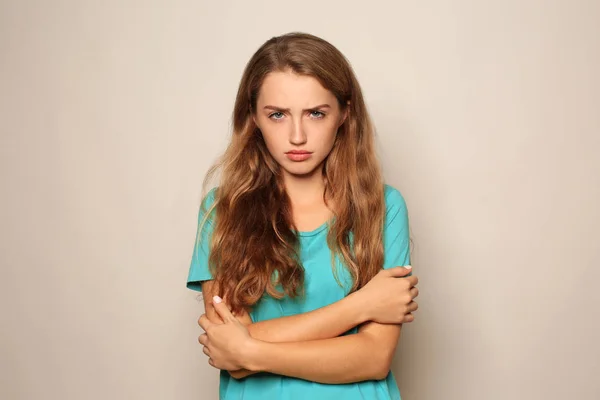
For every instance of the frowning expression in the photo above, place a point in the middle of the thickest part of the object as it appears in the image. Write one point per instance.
(299, 120)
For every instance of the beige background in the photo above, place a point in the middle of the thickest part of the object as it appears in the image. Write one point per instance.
(488, 121)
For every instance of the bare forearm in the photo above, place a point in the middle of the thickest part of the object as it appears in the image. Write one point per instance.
(294, 345)
(324, 323)
(344, 359)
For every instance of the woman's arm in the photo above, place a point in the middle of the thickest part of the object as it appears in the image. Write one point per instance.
(365, 355)
(383, 299)
(326, 322)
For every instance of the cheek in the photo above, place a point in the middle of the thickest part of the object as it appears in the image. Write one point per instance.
(326, 138)
(273, 140)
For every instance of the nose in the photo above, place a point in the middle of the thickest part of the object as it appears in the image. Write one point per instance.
(297, 135)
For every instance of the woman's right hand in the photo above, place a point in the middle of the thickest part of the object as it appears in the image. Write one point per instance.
(388, 298)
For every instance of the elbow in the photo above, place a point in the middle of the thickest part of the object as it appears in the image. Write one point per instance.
(381, 374)
(382, 364)
(379, 353)
(239, 374)
(236, 374)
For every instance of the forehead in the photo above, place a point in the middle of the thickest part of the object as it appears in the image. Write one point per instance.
(288, 89)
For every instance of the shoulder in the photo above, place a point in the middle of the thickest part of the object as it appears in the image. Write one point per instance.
(396, 229)
(393, 198)
(209, 198)
(206, 207)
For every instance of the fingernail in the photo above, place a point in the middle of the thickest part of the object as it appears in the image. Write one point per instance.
(217, 299)
(407, 267)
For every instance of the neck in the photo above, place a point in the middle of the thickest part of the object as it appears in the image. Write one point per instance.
(304, 189)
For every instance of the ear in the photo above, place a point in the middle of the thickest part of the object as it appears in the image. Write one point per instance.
(345, 114)
(252, 114)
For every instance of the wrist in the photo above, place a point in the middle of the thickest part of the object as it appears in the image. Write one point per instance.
(252, 355)
(359, 307)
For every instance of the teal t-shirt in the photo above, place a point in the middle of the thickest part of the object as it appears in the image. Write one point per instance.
(321, 289)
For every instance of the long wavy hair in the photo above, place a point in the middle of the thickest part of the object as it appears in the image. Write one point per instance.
(254, 247)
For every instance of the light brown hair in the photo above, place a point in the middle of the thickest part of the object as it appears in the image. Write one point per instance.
(254, 245)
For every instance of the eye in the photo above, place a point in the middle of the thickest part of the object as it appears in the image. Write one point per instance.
(317, 114)
(276, 115)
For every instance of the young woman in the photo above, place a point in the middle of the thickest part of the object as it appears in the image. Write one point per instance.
(300, 247)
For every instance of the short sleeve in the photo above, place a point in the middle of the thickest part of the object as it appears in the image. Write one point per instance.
(199, 271)
(396, 234)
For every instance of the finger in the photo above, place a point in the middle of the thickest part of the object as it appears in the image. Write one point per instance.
(206, 351)
(204, 322)
(399, 272)
(222, 309)
(412, 306)
(203, 339)
(413, 280)
(414, 292)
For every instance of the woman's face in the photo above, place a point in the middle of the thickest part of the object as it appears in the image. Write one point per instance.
(299, 120)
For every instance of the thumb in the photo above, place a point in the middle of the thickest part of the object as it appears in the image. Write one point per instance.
(222, 309)
(400, 271)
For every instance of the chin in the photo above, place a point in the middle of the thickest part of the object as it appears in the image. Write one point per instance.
(300, 170)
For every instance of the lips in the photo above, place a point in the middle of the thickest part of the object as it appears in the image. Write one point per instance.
(298, 155)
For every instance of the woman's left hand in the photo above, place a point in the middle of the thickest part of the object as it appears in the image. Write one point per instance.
(225, 344)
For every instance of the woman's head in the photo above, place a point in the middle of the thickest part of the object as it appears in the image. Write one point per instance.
(298, 72)
(298, 94)
(298, 120)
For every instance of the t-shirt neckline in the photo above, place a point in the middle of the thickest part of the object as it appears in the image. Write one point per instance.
(314, 231)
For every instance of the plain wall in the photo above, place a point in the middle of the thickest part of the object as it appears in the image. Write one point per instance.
(111, 112)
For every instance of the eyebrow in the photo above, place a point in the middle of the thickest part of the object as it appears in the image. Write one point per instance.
(275, 108)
